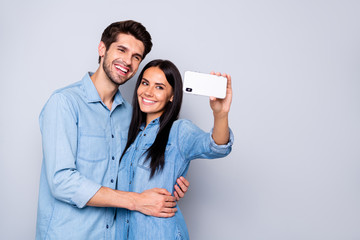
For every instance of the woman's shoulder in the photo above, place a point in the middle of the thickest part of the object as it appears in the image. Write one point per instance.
(183, 127)
(182, 123)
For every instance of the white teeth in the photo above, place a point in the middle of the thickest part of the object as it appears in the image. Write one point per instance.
(147, 101)
(122, 69)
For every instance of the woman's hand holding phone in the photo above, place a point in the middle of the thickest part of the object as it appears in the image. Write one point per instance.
(221, 108)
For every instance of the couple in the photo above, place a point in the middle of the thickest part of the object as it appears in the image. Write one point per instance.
(108, 175)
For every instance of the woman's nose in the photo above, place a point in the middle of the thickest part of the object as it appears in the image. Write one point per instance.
(149, 91)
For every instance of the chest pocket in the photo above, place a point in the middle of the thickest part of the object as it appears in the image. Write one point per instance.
(92, 145)
(144, 163)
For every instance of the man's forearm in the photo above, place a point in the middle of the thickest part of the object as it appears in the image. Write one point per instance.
(107, 197)
(156, 202)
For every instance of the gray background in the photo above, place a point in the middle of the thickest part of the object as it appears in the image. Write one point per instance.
(294, 169)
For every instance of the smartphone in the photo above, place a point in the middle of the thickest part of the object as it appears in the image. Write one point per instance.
(205, 84)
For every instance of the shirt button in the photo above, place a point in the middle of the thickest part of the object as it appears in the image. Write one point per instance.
(144, 134)
(112, 158)
(107, 226)
(127, 221)
(112, 180)
(131, 164)
(112, 135)
(130, 182)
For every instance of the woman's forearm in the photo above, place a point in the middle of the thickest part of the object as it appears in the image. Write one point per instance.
(221, 129)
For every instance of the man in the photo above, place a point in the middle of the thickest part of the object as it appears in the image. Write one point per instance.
(84, 129)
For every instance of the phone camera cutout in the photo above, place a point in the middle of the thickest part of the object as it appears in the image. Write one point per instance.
(188, 89)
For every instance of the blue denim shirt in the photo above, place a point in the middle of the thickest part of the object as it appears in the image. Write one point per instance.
(186, 142)
(82, 144)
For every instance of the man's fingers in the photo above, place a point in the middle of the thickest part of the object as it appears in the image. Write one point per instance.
(166, 212)
(165, 215)
(170, 204)
(169, 210)
(170, 199)
(162, 191)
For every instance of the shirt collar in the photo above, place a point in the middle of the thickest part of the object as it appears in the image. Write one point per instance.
(156, 121)
(92, 94)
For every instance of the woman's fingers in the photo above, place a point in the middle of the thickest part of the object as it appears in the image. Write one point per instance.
(183, 184)
(181, 187)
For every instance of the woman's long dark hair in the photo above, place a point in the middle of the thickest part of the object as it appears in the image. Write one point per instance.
(157, 150)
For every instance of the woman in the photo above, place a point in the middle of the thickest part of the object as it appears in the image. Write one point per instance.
(160, 147)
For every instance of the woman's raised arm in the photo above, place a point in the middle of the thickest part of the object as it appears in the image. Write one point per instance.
(221, 108)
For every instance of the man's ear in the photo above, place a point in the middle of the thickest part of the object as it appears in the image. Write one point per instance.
(102, 49)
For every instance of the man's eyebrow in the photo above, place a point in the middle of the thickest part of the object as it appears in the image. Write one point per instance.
(136, 54)
(122, 46)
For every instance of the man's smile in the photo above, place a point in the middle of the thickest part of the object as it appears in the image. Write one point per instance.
(122, 69)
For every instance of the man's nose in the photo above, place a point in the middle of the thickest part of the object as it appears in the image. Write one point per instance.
(127, 59)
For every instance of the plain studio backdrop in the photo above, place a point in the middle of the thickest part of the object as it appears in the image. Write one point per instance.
(294, 172)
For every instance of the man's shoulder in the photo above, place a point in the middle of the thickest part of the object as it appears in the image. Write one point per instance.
(73, 92)
(68, 95)
(73, 89)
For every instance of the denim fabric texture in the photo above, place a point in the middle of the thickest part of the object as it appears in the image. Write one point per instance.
(82, 144)
(186, 142)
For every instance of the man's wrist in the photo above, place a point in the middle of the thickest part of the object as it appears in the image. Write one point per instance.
(133, 199)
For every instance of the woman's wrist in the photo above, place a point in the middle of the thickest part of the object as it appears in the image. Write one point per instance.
(221, 115)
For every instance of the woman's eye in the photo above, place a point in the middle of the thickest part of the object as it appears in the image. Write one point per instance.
(160, 87)
(144, 83)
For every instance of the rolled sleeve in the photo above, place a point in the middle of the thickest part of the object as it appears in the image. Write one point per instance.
(86, 191)
(195, 143)
(222, 149)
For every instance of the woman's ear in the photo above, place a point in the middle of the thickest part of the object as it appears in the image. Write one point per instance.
(172, 97)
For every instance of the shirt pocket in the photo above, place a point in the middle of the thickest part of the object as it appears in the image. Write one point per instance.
(93, 145)
(144, 162)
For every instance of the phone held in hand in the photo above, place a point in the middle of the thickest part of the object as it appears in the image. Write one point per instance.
(205, 84)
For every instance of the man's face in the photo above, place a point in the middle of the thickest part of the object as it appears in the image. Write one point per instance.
(122, 59)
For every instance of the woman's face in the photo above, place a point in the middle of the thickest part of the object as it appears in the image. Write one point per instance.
(154, 92)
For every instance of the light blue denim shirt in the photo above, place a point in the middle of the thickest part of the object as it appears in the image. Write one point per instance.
(186, 142)
(82, 144)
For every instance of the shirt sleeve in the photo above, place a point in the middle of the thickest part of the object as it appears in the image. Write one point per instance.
(195, 143)
(58, 125)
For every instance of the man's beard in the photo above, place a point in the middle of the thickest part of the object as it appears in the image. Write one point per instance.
(107, 71)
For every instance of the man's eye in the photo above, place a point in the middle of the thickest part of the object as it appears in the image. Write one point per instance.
(121, 50)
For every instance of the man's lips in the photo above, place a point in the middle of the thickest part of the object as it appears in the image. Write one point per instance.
(122, 69)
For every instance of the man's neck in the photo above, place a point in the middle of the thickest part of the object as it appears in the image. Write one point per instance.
(105, 87)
